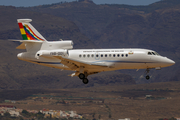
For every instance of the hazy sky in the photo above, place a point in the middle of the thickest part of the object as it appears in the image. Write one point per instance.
(27, 3)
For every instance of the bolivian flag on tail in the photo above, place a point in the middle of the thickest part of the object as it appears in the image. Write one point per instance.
(28, 32)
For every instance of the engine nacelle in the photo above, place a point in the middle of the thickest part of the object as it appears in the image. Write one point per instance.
(57, 45)
(59, 52)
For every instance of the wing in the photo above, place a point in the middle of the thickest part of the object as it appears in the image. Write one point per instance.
(76, 64)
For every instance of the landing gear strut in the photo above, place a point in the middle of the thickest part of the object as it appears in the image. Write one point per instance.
(83, 77)
(147, 72)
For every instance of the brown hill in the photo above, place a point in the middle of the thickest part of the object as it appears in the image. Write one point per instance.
(145, 101)
(154, 27)
(51, 27)
(107, 26)
(16, 74)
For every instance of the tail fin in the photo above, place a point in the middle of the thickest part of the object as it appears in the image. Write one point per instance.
(28, 32)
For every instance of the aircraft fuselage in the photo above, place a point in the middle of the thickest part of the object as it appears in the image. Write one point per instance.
(114, 59)
(60, 54)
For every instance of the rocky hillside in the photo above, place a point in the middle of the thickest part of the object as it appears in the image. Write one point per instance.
(89, 25)
(16, 74)
(155, 27)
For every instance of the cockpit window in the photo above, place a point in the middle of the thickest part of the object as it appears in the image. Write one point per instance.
(153, 53)
(149, 53)
(156, 53)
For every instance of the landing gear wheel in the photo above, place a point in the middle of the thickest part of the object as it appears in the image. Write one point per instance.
(147, 77)
(85, 81)
(81, 76)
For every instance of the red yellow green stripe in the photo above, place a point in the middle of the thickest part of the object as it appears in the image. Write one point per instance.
(27, 33)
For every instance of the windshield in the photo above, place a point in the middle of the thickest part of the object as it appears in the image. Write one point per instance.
(152, 53)
(156, 53)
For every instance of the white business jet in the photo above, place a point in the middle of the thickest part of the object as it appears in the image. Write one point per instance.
(61, 55)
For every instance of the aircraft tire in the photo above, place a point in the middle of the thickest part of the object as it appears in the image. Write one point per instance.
(81, 76)
(85, 81)
(147, 77)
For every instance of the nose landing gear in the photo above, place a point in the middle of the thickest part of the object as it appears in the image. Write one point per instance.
(147, 77)
(147, 72)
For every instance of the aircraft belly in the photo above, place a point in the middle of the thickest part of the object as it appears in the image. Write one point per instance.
(131, 65)
(58, 66)
(138, 65)
(45, 61)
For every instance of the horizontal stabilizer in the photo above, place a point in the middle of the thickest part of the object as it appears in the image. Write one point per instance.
(28, 41)
(21, 46)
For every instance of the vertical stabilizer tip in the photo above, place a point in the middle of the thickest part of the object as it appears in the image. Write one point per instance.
(24, 20)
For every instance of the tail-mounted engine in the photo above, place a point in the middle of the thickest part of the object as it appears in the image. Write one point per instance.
(55, 48)
(59, 52)
(57, 45)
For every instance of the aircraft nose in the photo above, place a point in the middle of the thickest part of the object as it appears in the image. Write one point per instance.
(170, 62)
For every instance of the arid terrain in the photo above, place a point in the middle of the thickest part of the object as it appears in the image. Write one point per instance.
(109, 95)
(145, 102)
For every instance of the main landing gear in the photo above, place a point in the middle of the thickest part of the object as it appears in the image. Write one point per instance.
(83, 77)
(147, 72)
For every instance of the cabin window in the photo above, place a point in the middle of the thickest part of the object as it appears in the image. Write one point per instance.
(97, 56)
(114, 55)
(84, 55)
(109, 55)
(101, 55)
(92, 55)
(88, 55)
(118, 55)
(122, 55)
(126, 55)
(105, 55)
(80, 55)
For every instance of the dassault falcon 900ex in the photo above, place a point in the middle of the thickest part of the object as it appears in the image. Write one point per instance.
(61, 55)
